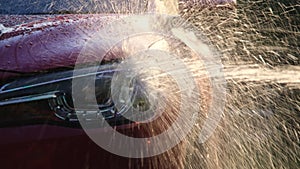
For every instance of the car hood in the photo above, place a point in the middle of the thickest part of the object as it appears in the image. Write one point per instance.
(46, 42)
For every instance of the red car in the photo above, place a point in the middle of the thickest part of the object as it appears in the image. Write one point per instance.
(38, 124)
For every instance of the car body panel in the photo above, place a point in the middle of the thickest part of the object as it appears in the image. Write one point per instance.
(34, 45)
(48, 44)
(30, 133)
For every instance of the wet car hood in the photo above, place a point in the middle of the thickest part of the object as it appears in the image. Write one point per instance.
(47, 43)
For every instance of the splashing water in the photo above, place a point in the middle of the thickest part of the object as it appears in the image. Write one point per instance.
(260, 125)
(260, 52)
(259, 43)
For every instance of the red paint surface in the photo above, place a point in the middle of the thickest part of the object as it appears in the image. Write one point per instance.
(29, 48)
(52, 147)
